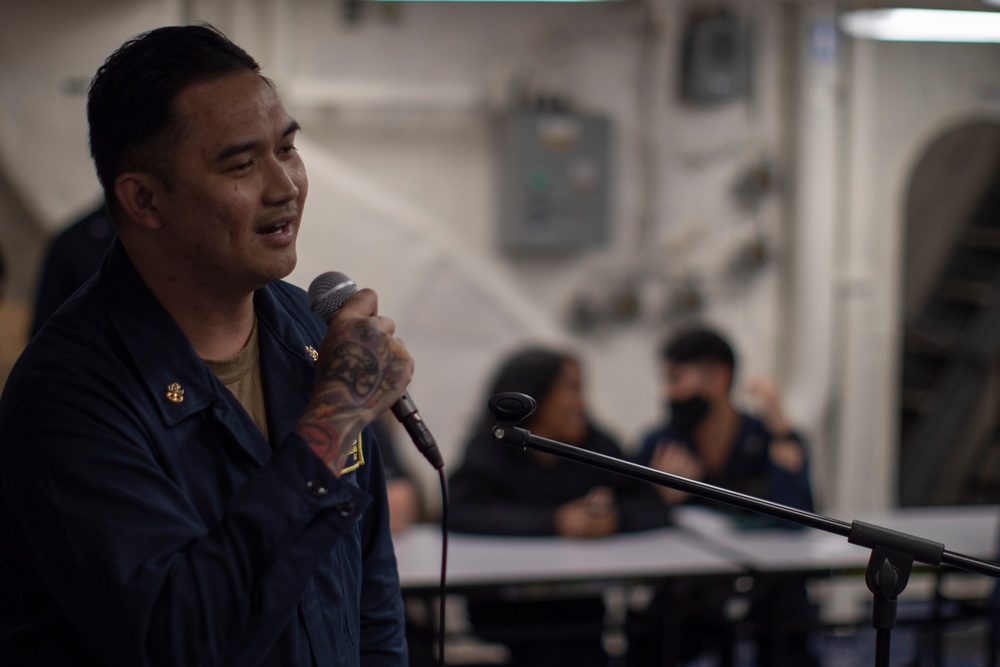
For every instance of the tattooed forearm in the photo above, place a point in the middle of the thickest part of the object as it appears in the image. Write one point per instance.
(355, 377)
(331, 431)
(332, 447)
(356, 367)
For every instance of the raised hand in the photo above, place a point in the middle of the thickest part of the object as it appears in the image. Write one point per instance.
(674, 458)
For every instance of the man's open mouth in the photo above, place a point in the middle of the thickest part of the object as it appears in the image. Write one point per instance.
(276, 228)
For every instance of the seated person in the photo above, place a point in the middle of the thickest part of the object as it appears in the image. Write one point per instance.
(72, 257)
(707, 439)
(500, 490)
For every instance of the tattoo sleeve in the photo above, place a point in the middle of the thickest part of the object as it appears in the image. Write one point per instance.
(355, 374)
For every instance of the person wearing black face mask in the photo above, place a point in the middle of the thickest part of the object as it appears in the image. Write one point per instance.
(687, 413)
(707, 438)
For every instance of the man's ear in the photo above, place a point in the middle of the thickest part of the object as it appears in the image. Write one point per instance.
(138, 195)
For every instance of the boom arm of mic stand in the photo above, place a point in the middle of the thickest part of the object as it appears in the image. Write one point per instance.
(892, 552)
(858, 532)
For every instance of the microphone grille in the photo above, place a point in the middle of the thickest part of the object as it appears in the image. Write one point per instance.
(328, 292)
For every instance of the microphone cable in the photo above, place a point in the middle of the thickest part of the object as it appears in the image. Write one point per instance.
(444, 564)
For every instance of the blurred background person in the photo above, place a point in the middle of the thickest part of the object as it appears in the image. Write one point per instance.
(72, 257)
(499, 490)
(707, 438)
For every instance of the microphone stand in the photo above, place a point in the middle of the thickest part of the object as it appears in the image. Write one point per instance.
(892, 552)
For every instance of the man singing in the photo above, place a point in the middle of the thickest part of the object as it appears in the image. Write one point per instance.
(186, 472)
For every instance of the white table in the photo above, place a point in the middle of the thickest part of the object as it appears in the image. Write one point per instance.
(489, 561)
(966, 530)
(704, 544)
(545, 567)
(969, 530)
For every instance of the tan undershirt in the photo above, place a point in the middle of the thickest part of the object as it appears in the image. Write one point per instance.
(241, 375)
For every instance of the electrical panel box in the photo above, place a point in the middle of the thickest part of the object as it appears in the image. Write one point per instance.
(554, 181)
(715, 61)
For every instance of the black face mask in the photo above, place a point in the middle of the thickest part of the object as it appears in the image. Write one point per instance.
(686, 414)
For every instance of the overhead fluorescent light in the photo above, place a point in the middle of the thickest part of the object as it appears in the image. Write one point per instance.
(922, 25)
(521, 1)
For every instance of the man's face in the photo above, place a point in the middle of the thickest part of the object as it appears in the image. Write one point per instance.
(685, 380)
(231, 212)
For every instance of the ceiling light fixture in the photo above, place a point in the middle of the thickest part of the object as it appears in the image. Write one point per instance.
(512, 1)
(922, 25)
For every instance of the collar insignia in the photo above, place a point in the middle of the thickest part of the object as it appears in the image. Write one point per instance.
(175, 393)
(355, 458)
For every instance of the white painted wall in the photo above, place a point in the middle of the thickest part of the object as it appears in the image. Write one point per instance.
(361, 92)
(49, 50)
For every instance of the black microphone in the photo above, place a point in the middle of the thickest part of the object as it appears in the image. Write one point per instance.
(327, 294)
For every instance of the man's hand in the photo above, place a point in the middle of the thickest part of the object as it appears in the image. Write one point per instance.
(361, 371)
(787, 454)
(765, 398)
(785, 451)
(594, 515)
(674, 458)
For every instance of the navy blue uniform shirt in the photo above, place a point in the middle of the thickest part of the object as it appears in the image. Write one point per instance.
(145, 519)
(748, 469)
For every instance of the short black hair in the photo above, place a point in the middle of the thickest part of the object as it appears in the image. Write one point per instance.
(698, 345)
(532, 371)
(130, 104)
